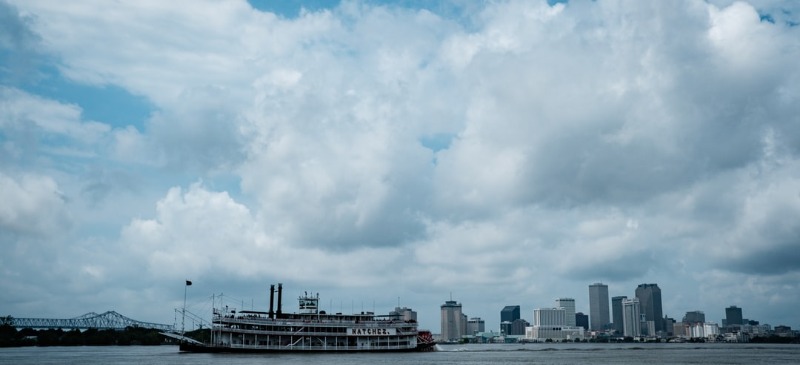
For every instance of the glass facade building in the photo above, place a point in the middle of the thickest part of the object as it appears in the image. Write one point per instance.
(649, 296)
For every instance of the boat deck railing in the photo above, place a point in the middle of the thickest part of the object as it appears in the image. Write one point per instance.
(315, 348)
(312, 322)
(304, 331)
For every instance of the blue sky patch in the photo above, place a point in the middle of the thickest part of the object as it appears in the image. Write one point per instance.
(109, 104)
(437, 142)
(291, 8)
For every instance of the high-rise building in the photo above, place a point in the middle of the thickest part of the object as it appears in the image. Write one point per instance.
(733, 316)
(508, 316)
(649, 296)
(549, 317)
(669, 326)
(694, 317)
(631, 318)
(550, 323)
(510, 313)
(453, 323)
(569, 306)
(475, 325)
(598, 306)
(517, 328)
(582, 320)
(616, 313)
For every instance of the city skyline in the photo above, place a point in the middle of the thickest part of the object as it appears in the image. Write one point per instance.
(646, 290)
(633, 318)
(386, 153)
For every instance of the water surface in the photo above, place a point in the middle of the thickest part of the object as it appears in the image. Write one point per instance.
(496, 354)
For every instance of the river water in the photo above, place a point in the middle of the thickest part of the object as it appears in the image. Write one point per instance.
(496, 354)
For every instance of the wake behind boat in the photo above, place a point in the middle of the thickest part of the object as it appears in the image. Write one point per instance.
(311, 330)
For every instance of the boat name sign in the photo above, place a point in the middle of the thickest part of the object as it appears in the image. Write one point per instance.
(371, 332)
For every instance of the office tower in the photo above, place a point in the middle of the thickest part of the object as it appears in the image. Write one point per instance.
(453, 323)
(649, 296)
(616, 313)
(550, 323)
(598, 306)
(549, 317)
(508, 316)
(510, 313)
(569, 306)
(694, 317)
(582, 320)
(518, 327)
(733, 316)
(669, 326)
(631, 317)
(475, 325)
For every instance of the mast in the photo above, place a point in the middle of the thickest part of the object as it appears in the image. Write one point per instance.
(213, 309)
(183, 315)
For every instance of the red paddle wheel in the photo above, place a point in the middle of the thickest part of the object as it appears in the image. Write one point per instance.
(425, 341)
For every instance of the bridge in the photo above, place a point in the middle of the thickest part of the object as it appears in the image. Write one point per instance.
(107, 320)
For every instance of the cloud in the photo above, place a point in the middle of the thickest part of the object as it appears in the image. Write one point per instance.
(202, 133)
(18, 45)
(32, 205)
(16, 32)
(204, 234)
(193, 232)
(766, 237)
(21, 110)
(518, 151)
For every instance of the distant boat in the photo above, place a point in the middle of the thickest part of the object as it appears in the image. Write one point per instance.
(309, 330)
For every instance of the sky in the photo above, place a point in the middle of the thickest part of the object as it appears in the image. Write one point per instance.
(385, 153)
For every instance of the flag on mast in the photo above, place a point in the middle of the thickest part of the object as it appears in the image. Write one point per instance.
(188, 282)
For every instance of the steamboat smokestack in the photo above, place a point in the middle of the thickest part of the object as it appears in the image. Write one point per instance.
(271, 300)
(280, 299)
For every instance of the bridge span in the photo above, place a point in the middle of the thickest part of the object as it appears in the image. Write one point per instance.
(107, 320)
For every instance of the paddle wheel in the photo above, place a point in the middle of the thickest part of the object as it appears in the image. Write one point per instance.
(425, 341)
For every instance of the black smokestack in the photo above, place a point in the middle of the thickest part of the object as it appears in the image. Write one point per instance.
(271, 300)
(280, 300)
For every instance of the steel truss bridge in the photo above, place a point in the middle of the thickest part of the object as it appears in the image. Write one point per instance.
(107, 320)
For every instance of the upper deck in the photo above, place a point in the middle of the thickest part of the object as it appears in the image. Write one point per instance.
(365, 320)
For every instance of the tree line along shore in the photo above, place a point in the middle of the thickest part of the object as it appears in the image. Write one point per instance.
(13, 337)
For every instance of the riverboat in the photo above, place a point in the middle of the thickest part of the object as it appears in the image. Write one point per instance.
(310, 330)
